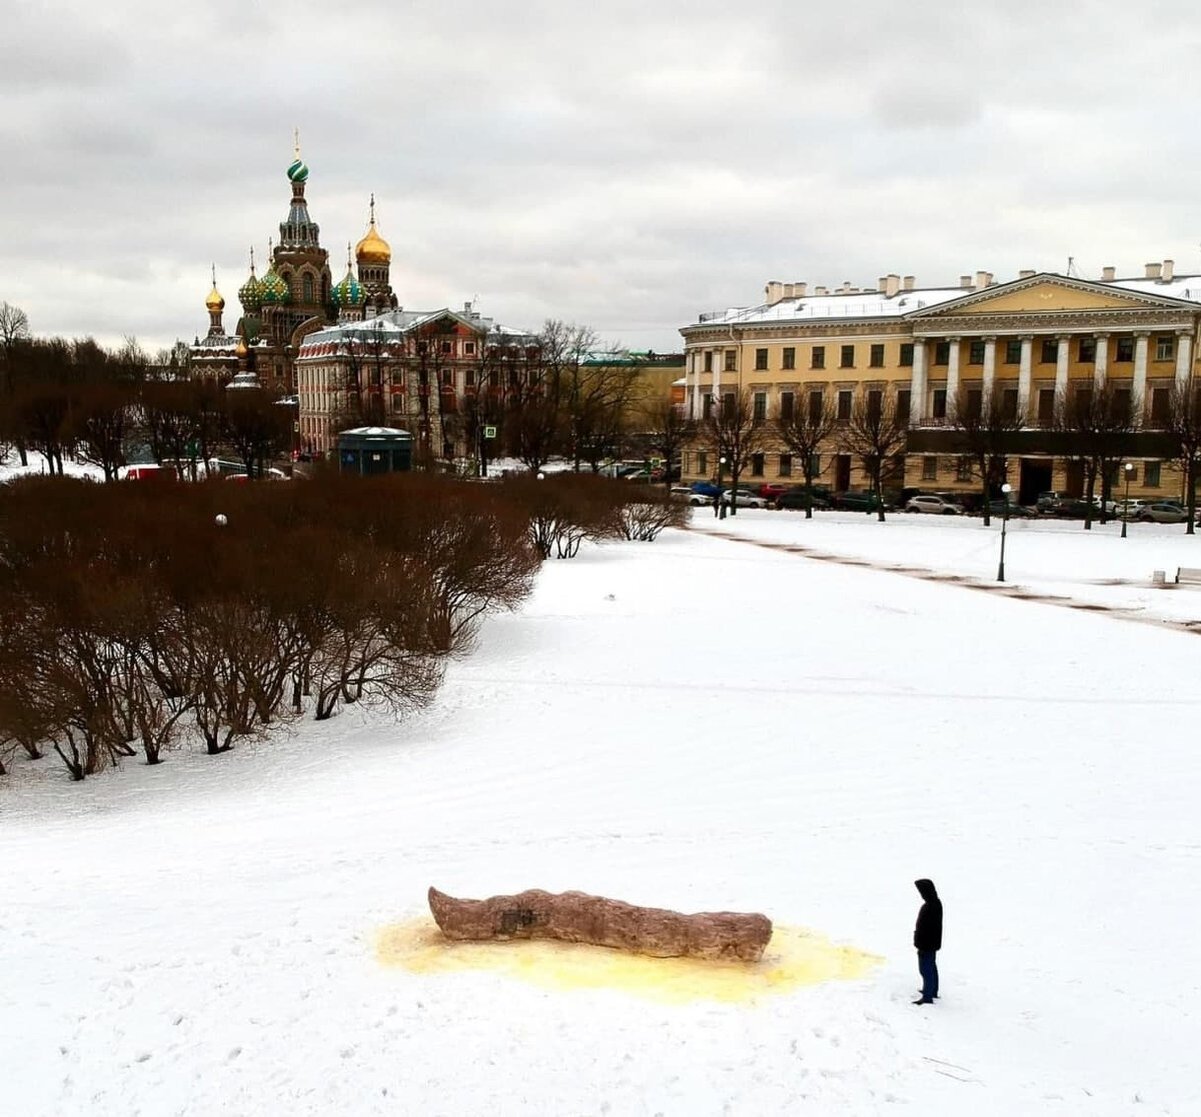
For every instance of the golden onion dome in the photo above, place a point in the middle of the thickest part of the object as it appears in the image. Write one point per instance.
(240, 349)
(214, 300)
(373, 249)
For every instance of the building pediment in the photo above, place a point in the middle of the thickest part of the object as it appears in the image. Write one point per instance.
(1048, 294)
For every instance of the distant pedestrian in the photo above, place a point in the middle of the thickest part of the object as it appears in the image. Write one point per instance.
(927, 938)
(721, 504)
(716, 505)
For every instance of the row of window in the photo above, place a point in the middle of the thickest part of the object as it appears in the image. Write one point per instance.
(961, 467)
(1010, 352)
(845, 399)
(844, 402)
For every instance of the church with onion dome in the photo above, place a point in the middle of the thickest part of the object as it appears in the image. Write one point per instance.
(348, 351)
(295, 297)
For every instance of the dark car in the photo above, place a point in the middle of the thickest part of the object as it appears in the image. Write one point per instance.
(854, 500)
(705, 488)
(1016, 511)
(1072, 508)
(798, 498)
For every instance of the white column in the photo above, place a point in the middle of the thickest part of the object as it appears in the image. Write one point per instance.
(952, 375)
(1061, 367)
(690, 385)
(1024, 379)
(719, 357)
(1138, 390)
(1101, 361)
(990, 373)
(917, 387)
(1184, 359)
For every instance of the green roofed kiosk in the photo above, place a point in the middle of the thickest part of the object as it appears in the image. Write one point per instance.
(371, 450)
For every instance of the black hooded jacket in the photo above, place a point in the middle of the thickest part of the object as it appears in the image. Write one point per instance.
(927, 935)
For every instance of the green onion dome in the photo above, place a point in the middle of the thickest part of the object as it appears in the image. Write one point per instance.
(274, 289)
(349, 292)
(250, 294)
(298, 171)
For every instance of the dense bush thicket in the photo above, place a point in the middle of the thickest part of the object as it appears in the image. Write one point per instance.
(564, 509)
(130, 613)
(133, 616)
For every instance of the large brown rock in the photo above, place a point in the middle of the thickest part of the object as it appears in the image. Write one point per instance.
(578, 917)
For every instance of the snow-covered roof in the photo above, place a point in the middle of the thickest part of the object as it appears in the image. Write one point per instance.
(394, 324)
(877, 304)
(859, 304)
(378, 432)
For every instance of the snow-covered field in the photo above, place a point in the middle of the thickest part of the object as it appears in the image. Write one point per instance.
(700, 723)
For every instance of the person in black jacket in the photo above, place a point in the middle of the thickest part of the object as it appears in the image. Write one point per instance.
(927, 938)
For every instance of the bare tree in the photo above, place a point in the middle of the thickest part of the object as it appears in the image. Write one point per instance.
(14, 336)
(875, 434)
(257, 427)
(1184, 427)
(804, 430)
(736, 434)
(1096, 424)
(668, 430)
(985, 429)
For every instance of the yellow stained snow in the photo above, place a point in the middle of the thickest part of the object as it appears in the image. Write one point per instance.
(793, 958)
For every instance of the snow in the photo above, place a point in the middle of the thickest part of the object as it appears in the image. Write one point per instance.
(875, 304)
(700, 723)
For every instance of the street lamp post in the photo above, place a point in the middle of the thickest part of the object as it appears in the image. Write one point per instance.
(721, 500)
(1005, 491)
(1129, 469)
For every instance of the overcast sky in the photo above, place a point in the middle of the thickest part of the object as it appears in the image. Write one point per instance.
(625, 165)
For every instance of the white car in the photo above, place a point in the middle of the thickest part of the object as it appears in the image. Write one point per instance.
(686, 495)
(933, 505)
(746, 499)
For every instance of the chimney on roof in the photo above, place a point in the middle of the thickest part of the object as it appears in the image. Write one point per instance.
(881, 283)
(983, 279)
(773, 292)
(799, 289)
(820, 291)
(1109, 274)
(908, 283)
(1026, 273)
(892, 284)
(1153, 271)
(1169, 270)
(965, 281)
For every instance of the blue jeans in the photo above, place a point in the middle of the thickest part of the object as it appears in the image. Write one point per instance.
(927, 965)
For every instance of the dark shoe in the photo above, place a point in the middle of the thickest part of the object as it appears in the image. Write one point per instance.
(923, 1001)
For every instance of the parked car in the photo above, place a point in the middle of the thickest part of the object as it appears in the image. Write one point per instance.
(705, 488)
(855, 500)
(746, 499)
(1016, 511)
(1162, 512)
(797, 498)
(1128, 509)
(933, 505)
(687, 495)
(1046, 501)
(770, 490)
(1072, 508)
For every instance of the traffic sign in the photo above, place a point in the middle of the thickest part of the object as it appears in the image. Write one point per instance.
(489, 432)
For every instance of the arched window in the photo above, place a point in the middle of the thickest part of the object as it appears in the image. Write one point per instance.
(308, 288)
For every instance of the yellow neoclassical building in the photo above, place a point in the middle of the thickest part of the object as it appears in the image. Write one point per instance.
(1026, 342)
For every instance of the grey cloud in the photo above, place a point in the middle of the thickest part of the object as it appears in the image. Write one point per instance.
(618, 163)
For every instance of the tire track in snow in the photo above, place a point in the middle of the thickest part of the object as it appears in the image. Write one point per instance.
(964, 581)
